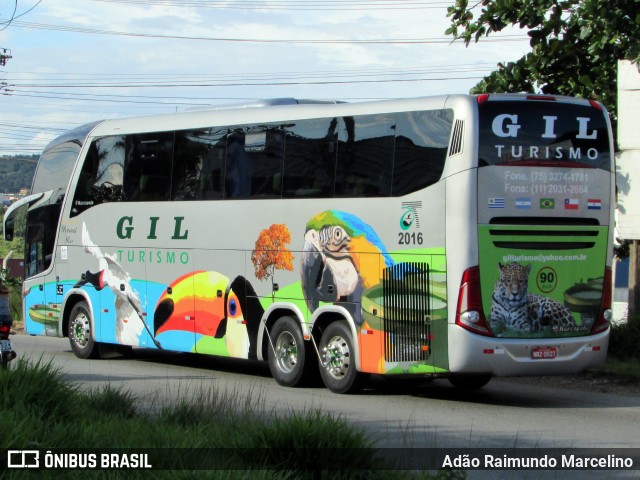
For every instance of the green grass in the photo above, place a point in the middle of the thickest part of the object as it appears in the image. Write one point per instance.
(625, 370)
(623, 360)
(41, 410)
(624, 342)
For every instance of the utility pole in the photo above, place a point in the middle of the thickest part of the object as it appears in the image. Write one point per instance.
(628, 163)
(5, 54)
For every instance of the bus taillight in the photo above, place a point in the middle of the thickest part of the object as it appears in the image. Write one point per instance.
(604, 318)
(469, 314)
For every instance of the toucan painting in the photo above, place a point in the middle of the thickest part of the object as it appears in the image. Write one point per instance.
(209, 304)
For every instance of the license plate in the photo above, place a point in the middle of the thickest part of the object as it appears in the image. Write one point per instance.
(5, 345)
(544, 352)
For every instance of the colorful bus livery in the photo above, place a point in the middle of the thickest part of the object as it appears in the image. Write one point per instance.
(430, 236)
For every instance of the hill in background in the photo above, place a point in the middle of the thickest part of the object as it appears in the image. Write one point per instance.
(16, 172)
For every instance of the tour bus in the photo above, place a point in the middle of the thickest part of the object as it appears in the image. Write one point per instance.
(458, 237)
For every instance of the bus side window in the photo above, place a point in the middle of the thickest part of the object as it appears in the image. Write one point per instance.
(100, 179)
(35, 259)
(365, 156)
(40, 235)
(254, 163)
(148, 167)
(198, 166)
(421, 149)
(310, 159)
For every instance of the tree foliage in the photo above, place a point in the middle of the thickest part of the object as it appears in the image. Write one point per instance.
(575, 44)
(16, 172)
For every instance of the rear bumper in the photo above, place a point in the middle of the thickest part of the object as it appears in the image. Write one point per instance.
(471, 353)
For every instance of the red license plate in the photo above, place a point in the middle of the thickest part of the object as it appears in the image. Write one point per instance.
(544, 352)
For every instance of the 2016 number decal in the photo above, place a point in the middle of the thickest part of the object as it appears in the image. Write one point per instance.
(413, 238)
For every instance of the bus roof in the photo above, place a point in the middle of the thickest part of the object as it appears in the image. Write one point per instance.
(267, 111)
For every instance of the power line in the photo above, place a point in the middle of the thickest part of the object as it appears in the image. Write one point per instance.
(292, 5)
(185, 79)
(5, 24)
(382, 41)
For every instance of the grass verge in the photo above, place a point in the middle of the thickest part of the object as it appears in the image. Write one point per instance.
(40, 410)
(623, 360)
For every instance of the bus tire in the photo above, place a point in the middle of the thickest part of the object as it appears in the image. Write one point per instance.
(469, 382)
(80, 333)
(288, 354)
(338, 362)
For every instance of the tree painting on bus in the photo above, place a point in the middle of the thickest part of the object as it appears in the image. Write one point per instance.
(271, 253)
(130, 322)
(340, 259)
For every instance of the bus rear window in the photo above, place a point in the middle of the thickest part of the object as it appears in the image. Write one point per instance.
(543, 133)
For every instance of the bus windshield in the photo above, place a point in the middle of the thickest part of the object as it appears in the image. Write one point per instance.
(538, 132)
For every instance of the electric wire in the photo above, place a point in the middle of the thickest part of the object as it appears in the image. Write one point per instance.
(289, 41)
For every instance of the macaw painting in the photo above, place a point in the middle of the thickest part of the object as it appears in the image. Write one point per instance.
(340, 260)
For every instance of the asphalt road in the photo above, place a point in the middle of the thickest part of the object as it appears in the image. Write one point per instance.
(503, 414)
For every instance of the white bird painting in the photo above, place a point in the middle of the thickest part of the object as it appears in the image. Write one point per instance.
(129, 312)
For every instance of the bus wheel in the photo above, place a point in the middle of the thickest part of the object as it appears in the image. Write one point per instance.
(80, 334)
(287, 355)
(469, 382)
(338, 368)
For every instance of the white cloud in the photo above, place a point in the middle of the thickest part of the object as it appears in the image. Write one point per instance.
(43, 56)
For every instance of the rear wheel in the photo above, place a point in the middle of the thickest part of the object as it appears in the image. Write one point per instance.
(338, 369)
(289, 355)
(80, 333)
(469, 382)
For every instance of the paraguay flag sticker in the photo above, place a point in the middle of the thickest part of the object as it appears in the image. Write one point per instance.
(594, 204)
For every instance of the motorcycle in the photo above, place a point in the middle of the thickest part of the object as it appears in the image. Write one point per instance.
(5, 343)
(6, 322)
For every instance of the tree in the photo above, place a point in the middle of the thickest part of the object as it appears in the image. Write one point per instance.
(575, 44)
(271, 252)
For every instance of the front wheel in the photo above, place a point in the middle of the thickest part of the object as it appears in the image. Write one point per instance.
(338, 367)
(288, 354)
(80, 334)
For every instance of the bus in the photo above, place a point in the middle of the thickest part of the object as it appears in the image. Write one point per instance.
(458, 236)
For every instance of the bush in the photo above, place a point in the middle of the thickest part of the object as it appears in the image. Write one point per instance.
(624, 342)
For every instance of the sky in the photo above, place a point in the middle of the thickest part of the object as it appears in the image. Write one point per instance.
(78, 61)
